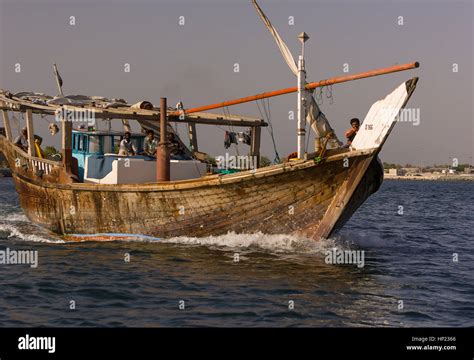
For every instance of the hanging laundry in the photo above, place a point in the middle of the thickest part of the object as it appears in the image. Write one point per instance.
(244, 137)
(233, 138)
(229, 139)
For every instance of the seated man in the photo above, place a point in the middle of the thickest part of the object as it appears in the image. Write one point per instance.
(127, 148)
(22, 140)
(150, 145)
(352, 132)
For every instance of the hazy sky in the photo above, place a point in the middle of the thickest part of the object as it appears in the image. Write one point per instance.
(194, 63)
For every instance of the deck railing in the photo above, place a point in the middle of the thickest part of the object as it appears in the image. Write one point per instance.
(19, 159)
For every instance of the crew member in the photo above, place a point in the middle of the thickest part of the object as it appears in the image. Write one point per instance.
(352, 132)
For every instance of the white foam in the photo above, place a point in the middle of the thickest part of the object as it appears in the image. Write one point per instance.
(15, 218)
(280, 243)
(16, 233)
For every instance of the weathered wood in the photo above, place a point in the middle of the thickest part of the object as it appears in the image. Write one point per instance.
(66, 144)
(31, 133)
(6, 123)
(342, 196)
(255, 146)
(246, 202)
(218, 120)
(133, 114)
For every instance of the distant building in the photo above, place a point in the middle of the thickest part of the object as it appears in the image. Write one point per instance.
(410, 171)
(393, 172)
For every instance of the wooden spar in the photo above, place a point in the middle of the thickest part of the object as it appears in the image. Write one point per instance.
(31, 133)
(6, 122)
(313, 85)
(255, 147)
(163, 155)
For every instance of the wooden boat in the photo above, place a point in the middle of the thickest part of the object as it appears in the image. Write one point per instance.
(312, 196)
(304, 196)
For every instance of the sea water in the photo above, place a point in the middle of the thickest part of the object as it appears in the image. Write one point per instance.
(418, 270)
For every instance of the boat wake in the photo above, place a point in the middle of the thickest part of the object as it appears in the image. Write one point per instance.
(279, 243)
(18, 227)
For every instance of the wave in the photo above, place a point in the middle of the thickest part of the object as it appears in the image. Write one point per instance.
(17, 226)
(15, 218)
(279, 243)
(15, 233)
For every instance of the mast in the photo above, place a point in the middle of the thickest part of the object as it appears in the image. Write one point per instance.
(163, 154)
(301, 130)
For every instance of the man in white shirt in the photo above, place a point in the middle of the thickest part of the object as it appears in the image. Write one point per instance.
(127, 148)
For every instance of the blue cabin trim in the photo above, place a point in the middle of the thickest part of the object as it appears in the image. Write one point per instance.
(91, 143)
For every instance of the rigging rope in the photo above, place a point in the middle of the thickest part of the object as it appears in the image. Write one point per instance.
(270, 128)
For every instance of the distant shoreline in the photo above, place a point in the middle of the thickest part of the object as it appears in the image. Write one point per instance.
(431, 177)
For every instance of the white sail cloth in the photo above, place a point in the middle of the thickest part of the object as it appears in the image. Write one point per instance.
(314, 116)
(320, 125)
(281, 44)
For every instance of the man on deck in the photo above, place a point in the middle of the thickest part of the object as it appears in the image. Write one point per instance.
(150, 145)
(127, 148)
(352, 132)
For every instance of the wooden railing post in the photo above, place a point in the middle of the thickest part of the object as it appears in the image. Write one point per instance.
(31, 133)
(255, 147)
(6, 122)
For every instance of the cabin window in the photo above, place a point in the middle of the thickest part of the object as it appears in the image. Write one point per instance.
(107, 144)
(94, 144)
(117, 140)
(81, 143)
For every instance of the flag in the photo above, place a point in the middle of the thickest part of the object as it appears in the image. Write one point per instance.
(58, 77)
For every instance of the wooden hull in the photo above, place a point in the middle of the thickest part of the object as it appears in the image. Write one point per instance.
(301, 198)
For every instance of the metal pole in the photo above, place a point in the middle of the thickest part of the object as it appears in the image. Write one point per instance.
(163, 155)
(301, 130)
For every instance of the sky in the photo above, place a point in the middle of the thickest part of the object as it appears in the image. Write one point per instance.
(195, 62)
